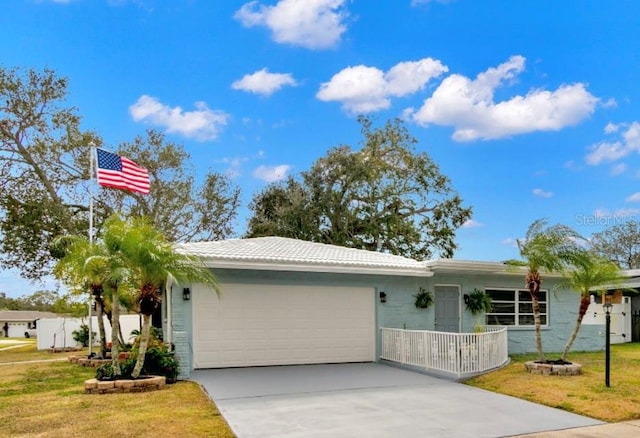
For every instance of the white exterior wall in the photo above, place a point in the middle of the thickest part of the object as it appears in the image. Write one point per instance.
(620, 319)
(58, 332)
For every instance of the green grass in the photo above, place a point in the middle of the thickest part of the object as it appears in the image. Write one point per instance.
(585, 394)
(28, 352)
(48, 400)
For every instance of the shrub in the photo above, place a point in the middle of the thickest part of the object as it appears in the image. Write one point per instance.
(105, 372)
(159, 361)
(81, 336)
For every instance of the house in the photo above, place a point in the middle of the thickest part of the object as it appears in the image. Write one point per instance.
(21, 323)
(285, 301)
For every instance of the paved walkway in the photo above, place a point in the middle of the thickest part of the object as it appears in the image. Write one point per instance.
(372, 400)
(628, 429)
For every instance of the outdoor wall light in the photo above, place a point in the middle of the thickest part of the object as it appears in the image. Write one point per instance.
(466, 298)
(383, 297)
(607, 306)
(186, 294)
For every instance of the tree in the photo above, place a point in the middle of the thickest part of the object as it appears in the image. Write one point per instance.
(87, 266)
(384, 197)
(547, 248)
(620, 244)
(44, 162)
(177, 205)
(44, 301)
(588, 271)
(45, 181)
(153, 260)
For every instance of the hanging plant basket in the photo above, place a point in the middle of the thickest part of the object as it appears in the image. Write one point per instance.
(478, 302)
(424, 299)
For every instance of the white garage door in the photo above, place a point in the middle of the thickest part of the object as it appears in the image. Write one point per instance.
(282, 325)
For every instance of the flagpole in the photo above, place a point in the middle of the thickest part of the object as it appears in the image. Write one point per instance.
(91, 172)
(91, 168)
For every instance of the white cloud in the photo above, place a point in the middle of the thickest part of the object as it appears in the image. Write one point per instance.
(468, 105)
(234, 165)
(633, 198)
(510, 241)
(572, 165)
(313, 24)
(271, 173)
(618, 169)
(264, 83)
(201, 124)
(609, 103)
(472, 224)
(363, 89)
(603, 213)
(614, 150)
(611, 128)
(541, 193)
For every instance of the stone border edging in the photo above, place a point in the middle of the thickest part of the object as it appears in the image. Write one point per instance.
(548, 369)
(151, 383)
(85, 362)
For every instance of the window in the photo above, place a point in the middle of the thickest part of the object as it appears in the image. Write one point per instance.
(514, 307)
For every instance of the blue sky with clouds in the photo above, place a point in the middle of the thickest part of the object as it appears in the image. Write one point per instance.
(531, 107)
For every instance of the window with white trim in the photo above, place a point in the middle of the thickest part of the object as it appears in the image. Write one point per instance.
(514, 307)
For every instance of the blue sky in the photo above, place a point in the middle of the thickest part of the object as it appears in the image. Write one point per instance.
(530, 107)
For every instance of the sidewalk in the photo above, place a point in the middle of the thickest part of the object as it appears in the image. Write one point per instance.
(627, 429)
(8, 344)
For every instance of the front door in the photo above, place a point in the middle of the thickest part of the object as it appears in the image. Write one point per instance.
(447, 313)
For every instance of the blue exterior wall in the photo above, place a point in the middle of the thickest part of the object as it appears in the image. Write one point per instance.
(400, 312)
(562, 314)
(181, 330)
(403, 311)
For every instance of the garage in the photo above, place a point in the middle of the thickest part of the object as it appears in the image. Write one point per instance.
(254, 325)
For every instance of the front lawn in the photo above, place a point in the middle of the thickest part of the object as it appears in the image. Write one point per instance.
(47, 399)
(585, 394)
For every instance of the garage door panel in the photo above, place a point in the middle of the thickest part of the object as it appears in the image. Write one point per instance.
(278, 325)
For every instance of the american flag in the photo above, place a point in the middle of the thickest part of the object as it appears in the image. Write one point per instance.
(121, 173)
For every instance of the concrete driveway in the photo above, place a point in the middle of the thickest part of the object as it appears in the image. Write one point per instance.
(372, 400)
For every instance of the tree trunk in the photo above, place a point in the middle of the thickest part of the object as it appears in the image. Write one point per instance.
(115, 330)
(533, 282)
(103, 336)
(584, 304)
(537, 323)
(142, 347)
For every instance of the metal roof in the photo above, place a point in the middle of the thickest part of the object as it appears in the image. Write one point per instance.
(285, 254)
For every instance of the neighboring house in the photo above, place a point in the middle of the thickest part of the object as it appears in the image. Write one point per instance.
(285, 301)
(21, 323)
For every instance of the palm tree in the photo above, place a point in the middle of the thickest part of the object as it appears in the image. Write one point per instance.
(546, 248)
(99, 267)
(83, 266)
(152, 261)
(589, 271)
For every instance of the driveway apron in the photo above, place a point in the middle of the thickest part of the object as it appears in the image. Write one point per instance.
(369, 400)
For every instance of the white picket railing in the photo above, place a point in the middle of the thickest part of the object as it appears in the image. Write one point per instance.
(454, 354)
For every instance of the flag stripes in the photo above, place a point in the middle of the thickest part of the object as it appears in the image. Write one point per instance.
(121, 173)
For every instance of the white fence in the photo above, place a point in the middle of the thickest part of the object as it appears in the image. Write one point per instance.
(58, 332)
(453, 354)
